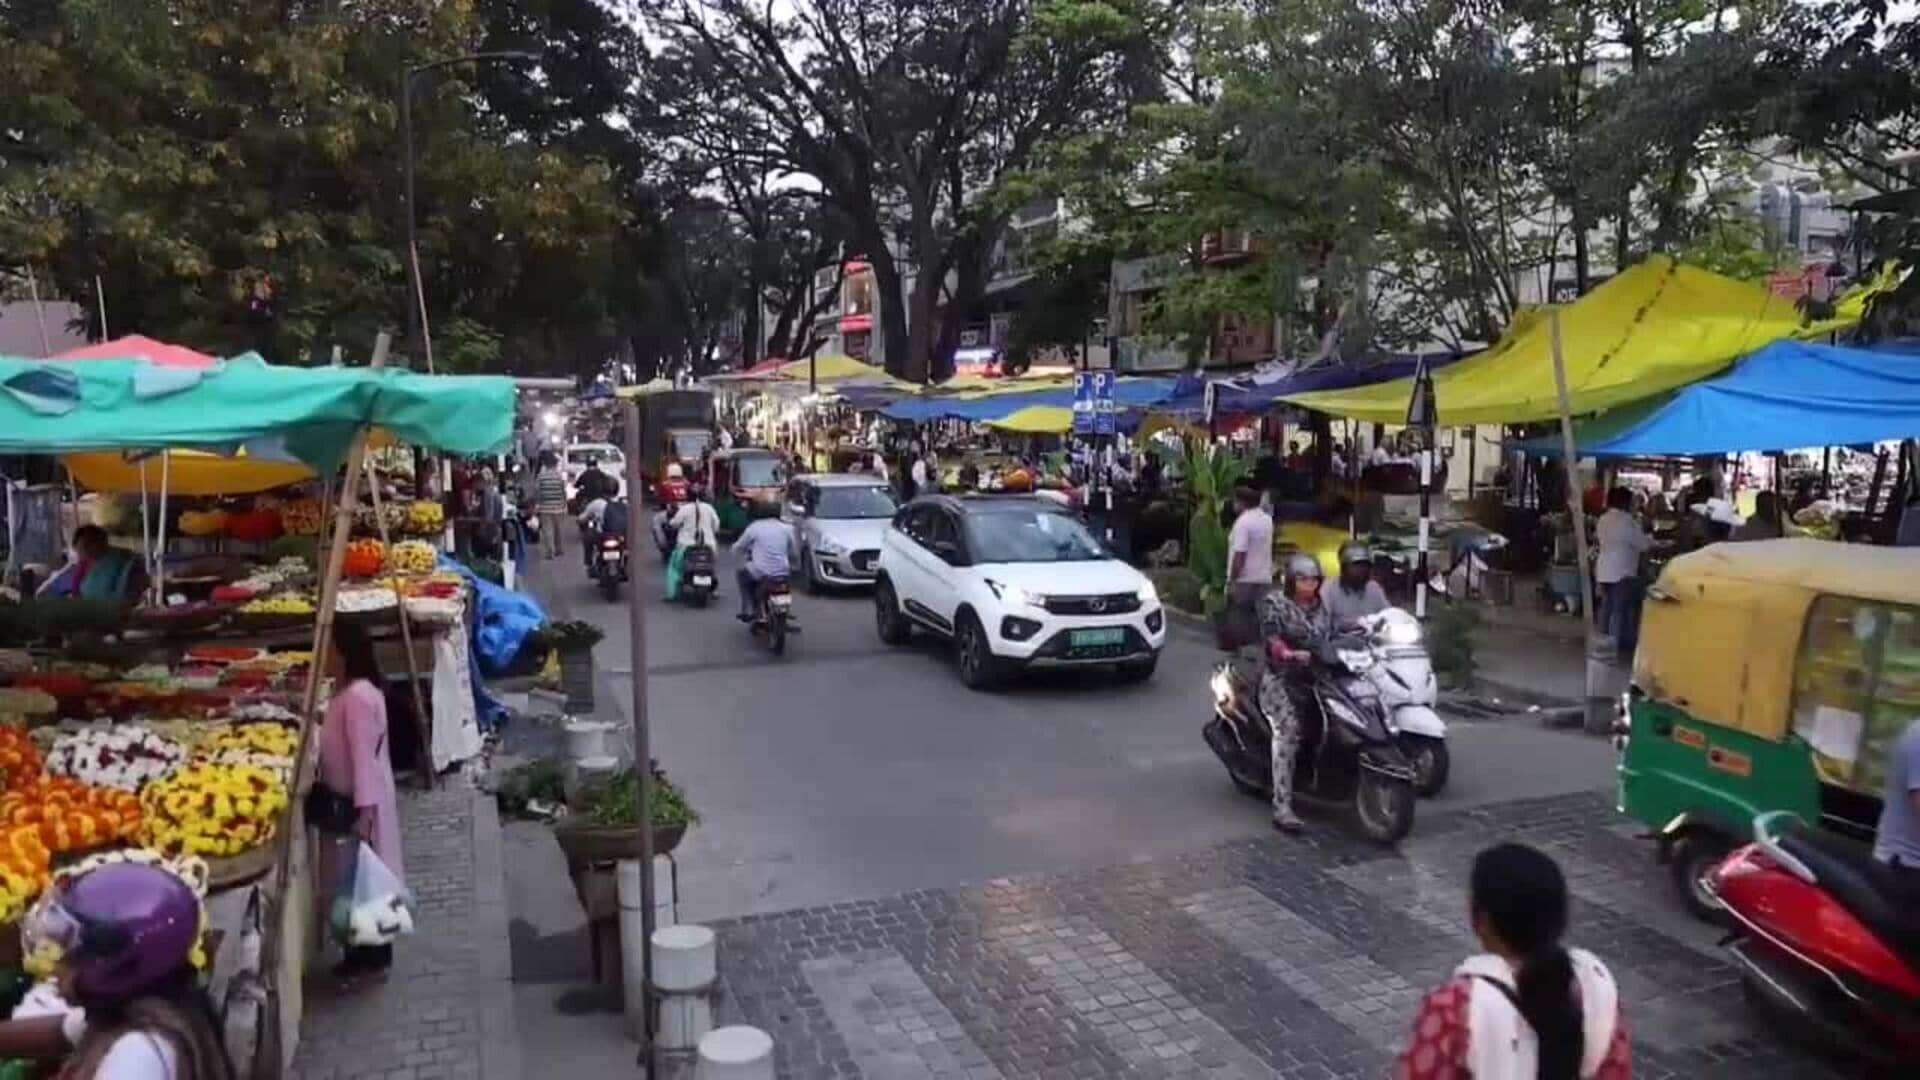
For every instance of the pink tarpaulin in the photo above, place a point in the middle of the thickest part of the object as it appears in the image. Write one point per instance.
(134, 346)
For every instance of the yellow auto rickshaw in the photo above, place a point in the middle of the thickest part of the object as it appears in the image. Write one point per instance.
(1770, 675)
(738, 478)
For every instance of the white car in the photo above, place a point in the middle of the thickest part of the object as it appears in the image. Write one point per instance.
(841, 519)
(613, 462)
(1016, 582)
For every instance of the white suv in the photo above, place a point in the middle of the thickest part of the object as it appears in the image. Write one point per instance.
(1016, 582)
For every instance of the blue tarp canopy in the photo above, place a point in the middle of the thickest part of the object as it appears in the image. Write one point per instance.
(1787, 395)
(1255, 395)
(1128, 393)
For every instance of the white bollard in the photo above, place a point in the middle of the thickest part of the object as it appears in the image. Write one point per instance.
(685, 964)
(736, 1053)
(633, 984)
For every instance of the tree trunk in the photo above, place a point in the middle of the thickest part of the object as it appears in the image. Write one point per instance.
(892, 305)
(921, 331)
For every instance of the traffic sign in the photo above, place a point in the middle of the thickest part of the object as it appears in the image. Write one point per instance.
(1103, 408)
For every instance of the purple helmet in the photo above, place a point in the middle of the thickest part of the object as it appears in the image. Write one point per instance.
(133, 927)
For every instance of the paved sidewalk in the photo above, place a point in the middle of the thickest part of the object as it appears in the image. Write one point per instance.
(446, 1013)
(1295, 958)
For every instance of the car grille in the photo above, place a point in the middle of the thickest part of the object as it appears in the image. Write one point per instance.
(864, 561)
(1104, 604)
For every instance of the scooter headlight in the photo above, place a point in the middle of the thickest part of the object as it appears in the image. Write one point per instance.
(1358, 661)
(1222, 687)
(1399, 628)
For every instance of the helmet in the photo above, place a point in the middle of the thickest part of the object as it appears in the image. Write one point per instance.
(1300, 566)
(125, 929)
(1353, 551)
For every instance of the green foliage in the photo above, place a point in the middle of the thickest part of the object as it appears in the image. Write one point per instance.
(232, 172)
(1736, 247)
(1450, 629)
(571, 635)
(617, 801)
(1211, 473)
(541, 780)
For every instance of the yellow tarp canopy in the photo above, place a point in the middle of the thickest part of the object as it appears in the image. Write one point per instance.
(1036, 420)
(188, 472)
(1657, 326)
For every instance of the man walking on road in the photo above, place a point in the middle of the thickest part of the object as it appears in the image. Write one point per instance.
(1249, 564)
(550, 499)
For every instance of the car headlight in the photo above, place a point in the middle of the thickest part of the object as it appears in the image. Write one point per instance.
(1014, 595)
(1222, 687)
(1148, 594)
(829, 547)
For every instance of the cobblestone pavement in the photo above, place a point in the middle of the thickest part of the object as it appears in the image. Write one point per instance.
(1295, 958)
(446, 1012)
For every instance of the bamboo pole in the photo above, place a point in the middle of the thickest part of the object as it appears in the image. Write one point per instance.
(422, 727)
(272, 941)
(1573, 490)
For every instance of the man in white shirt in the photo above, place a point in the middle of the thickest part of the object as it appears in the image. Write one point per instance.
(1621, 541)
(766, 550)
(1249, 562)
(695, 524)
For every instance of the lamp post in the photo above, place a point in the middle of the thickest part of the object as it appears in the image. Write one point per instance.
(416, 292)
(1423, 415)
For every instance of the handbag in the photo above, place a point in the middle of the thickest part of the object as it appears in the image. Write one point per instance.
(329, 811)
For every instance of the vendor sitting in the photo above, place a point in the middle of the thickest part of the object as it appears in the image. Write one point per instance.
(98, 571)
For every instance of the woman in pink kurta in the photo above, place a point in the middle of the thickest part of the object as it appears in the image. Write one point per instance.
(354, 762)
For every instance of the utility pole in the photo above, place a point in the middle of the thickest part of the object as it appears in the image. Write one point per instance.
(417, 330)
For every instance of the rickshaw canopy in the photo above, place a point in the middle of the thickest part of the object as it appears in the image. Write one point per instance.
(1721, 629)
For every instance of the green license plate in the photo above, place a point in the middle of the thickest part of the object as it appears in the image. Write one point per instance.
(1080, 639)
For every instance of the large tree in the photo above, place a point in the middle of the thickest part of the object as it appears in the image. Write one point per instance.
(904, 116)
(229, 169)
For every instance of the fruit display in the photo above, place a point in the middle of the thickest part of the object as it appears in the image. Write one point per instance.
(24, 874)
(364, 558)
(302, 517)
(20, 759)
(411, 557)
(425, 518)
(72, 817)
(286, 603)
(211, 809)
(127, 757)
(197, 523)
(256, 526)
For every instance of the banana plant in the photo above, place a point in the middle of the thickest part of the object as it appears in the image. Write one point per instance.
(1211, 474)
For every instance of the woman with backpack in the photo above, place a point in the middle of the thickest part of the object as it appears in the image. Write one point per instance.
(1528, 1007)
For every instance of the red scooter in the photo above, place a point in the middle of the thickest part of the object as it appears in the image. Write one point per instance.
(1826, 939)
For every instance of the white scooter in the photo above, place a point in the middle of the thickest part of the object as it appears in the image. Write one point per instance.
(1402, 673)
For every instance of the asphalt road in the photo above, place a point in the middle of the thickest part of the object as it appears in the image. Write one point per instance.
(848, 769)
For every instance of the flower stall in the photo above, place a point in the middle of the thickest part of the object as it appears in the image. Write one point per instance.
(180, 729)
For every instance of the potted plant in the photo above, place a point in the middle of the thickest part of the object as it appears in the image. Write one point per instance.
(574, 640)
(1211, 477)
(605, 823)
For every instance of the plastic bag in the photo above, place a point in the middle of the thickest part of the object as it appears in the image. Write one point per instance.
(375, 909)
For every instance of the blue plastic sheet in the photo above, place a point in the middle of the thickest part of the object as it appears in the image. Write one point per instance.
(502, 620)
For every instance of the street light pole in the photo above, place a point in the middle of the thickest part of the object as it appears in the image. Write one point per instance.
(417, 329)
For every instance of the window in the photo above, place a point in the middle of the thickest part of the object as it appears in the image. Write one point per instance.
(849, 503)
(756, 470)
(1856, 686)
(919, 524)
(1031, 535)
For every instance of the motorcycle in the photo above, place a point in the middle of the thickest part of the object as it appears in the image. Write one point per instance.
(607, 549)
(773, 614)
(669, 494)
(1402, 676)
(1352, 757)
(697, 578)
(1825, 939)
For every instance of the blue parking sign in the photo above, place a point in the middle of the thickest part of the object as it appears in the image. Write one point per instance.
(1103, 407)
(1083, 403)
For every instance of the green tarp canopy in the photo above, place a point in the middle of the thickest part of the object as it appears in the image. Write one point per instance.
(56, 408)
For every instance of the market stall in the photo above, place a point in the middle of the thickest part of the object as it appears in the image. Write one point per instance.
(181, 727)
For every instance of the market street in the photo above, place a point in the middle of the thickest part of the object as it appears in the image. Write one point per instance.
(848, 770)
(912, 879)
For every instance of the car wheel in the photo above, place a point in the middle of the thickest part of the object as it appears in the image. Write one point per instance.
(893, 627)
(1140, 670)
(1693, 857)
(979, 668)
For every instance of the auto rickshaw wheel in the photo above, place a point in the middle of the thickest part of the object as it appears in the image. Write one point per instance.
(1692, 857)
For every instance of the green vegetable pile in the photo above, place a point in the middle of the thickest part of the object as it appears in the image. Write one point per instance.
(617, 801)
(541, 780)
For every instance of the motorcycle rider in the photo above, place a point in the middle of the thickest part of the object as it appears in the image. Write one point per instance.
(766, 550)
(595, 484)
(1354, 594)
(1292, 621)
(695, 524)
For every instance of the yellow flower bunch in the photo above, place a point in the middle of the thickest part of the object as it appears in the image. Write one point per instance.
(274, 740)
(24, 870)
(212, 809)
